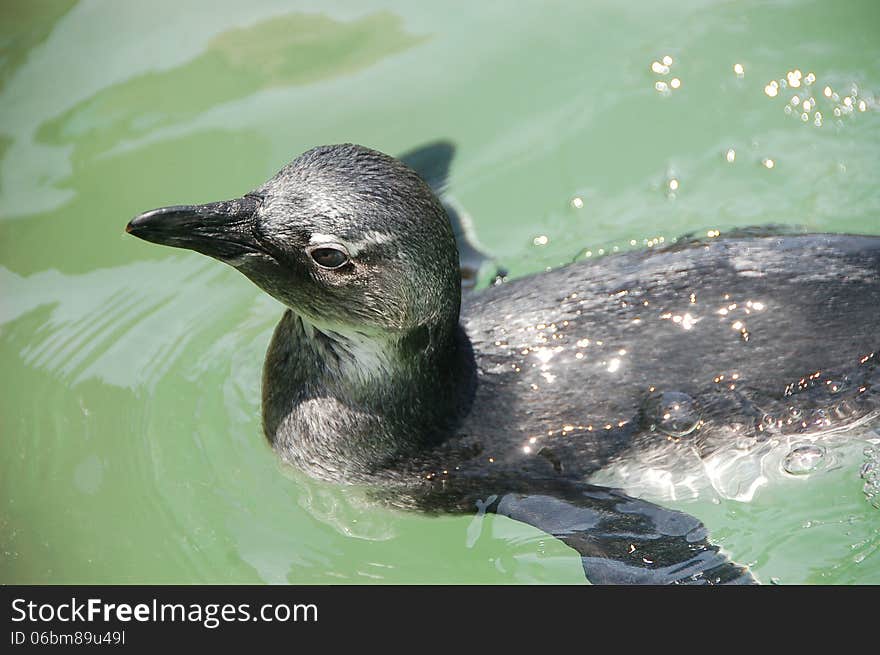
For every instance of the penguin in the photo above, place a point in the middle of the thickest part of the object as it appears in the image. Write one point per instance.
(508, 399)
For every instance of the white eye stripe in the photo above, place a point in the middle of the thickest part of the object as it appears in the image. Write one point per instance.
(371, 238)
(317, 239)
(354, 247)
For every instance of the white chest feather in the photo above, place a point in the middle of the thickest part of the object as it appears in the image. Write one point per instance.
(351, 354)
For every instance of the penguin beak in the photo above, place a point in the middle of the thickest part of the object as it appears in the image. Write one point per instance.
(223, 230)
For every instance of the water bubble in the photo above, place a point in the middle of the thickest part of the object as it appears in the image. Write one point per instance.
(810, 78)
(772, 89)
(739, 70)
(672, 412)
(675, 83)
(662, 87)
(743, 443)
(730, 155)
(803, 459)
(667, 60)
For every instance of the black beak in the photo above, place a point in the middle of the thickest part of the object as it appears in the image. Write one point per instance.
(224, 230)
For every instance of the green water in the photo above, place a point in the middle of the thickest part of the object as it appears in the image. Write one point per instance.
(129, 413)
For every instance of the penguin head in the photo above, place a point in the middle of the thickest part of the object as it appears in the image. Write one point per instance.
(343, 235)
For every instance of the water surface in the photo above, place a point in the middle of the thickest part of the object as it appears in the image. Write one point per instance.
(131, 441)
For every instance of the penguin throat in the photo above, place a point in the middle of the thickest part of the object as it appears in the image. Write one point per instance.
(349, 355)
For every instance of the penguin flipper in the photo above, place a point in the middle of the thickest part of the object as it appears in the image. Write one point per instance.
(624, 540)
(432, 162)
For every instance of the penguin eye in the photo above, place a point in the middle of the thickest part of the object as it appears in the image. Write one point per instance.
(330, 257)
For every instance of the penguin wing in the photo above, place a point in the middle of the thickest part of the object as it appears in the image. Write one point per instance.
(432, 162)
(624, 540)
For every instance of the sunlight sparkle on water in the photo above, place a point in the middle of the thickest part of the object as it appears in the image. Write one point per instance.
(662, 68)
(544, 355)
(802, 104)
(659, 68)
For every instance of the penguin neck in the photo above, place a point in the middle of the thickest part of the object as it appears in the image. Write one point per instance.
(351, 361)
(343, 403)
